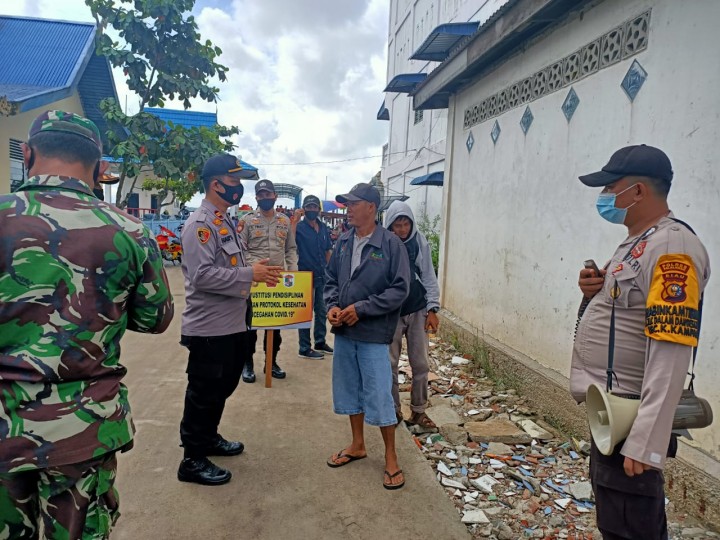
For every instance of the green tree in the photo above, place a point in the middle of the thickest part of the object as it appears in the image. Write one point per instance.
(431, 229)
(163, 58)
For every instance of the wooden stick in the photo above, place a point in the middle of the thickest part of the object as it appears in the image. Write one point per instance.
(269, 337)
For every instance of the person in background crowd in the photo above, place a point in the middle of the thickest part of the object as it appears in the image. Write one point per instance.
(268, 235)
(314, 249)
(418, 314)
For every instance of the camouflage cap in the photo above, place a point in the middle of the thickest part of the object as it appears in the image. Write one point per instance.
(66, 122)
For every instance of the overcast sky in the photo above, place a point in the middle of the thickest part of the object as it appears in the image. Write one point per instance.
(305, 82)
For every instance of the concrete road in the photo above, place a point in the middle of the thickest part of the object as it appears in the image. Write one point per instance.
(281, 487)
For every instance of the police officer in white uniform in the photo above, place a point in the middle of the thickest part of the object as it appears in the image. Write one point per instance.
(216, 318)
(268, 235)
(657, 275)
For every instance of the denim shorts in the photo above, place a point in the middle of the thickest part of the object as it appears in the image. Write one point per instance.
(362, 381)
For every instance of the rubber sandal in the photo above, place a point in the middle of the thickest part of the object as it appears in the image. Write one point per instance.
(391, 476)
(423, 420)
(341, 455)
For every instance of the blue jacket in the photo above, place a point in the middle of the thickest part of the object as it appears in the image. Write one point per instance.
(378, 287)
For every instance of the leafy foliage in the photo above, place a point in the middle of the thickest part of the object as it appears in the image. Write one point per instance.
(162, 57)
(431, 229)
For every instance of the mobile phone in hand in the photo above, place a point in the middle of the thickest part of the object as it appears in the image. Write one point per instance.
(590, 265)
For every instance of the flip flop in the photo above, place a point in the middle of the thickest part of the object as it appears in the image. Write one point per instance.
(341, 455)
(422, 419)
(391, 476)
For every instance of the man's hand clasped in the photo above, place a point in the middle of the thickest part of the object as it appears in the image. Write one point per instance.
(262, 273)
(338, 317)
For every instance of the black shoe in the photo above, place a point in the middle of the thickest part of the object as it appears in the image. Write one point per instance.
(226, 448)
(314, 355)
(202, 471)
(324, 348)
(277, 373)
(248, 375)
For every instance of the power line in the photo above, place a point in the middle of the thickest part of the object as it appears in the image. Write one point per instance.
(339, 160)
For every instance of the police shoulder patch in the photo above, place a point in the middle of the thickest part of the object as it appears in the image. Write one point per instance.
(673, 300)
(203, 235)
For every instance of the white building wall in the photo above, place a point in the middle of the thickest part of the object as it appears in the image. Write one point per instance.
(419, 149)
(519, 224)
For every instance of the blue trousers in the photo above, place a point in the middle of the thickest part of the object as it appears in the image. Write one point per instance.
(320, 329)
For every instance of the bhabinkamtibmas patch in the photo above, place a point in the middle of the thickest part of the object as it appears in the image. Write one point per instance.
(673, 300)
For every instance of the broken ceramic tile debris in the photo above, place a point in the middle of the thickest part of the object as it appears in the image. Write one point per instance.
(509, 474)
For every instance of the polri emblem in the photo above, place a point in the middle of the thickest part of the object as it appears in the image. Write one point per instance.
(203, 235)
(639, 250)
(675, 275)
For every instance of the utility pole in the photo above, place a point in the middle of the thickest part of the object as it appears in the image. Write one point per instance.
(325, 189)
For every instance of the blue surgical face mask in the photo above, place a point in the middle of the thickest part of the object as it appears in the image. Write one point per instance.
(606, 207)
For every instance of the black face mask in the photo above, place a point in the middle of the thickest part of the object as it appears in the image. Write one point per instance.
(232, 194)
(266, 204)
(311, 214)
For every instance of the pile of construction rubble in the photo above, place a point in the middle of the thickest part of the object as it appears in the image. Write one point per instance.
(509, 474)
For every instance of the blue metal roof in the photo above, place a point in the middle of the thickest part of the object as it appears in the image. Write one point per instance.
(42, 59)
(443, 39)
(383, 113)
(187, 119)
(432, 179)
(405, 83)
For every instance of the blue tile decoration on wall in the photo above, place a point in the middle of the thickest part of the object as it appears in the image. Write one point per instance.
(526, 120)
(570, 104)
(634, 79)
(495, 133)
(470, 142)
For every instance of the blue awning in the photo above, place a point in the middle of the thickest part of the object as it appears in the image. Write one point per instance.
(383, 113)
(405, 83)
(432, 179)
(441, 41)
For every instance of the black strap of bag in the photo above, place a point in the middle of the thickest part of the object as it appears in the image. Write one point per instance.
(417, 298)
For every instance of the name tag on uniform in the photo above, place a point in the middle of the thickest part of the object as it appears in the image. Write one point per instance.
(226, 239)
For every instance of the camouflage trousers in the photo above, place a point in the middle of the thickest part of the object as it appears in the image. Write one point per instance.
(68, 502)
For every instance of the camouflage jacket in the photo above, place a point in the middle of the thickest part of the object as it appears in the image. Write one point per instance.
(75, 273)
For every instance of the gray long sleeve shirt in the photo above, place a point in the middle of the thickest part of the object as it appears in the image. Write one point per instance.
(217, 280)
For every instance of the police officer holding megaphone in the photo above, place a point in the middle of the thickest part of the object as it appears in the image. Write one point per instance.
(636, 338)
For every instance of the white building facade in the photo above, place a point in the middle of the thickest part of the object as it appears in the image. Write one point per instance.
(527, 119)
(416, 140)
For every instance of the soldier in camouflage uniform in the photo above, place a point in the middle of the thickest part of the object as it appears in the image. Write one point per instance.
(75, 272)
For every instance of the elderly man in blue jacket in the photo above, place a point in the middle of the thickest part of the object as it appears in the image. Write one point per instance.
(368, 279)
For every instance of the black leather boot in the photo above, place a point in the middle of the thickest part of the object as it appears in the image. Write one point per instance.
(248, 375)
(277, 373)
(223, 447)
(202, 471)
